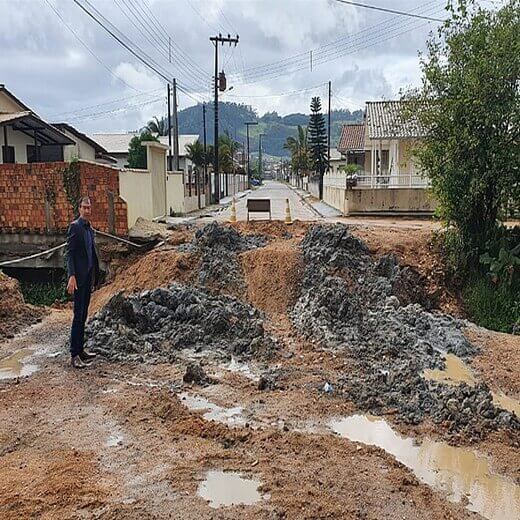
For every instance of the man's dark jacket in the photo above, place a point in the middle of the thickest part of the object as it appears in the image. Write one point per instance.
(77, 258)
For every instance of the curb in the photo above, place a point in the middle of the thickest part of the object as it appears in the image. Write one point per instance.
(308, 204)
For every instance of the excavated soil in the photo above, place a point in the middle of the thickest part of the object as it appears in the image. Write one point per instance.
(15, 314)
(273, 276)
(133, 437)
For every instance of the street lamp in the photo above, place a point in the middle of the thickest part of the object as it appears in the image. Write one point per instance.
(260, 154)
(248, 123)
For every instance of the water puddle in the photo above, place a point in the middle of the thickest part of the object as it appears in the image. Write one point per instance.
(241, 368)
(458, 471)
(230, 416)
(16, 365)
(229, 489)
(457, 372)
(114, 440)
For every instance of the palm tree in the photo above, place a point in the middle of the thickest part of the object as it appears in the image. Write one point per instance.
(300, 153)
(157, 126)
(228, 148)
(195, 153)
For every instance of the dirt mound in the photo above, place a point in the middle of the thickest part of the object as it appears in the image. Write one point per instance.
(371, 313)
(273, 275)
(15, 314)
(418, 250)
(155, 325)
(157, 268)
(272, 228)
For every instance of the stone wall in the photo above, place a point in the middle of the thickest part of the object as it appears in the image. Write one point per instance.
(33, 198)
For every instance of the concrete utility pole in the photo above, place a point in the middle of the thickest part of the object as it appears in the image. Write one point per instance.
(207, 182)
(176, 127)
(216, 40)
(260, 154)
(248, 124)
(328, 137)
(169, 130)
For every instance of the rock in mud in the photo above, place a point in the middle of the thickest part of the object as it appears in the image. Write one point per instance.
(195, 374)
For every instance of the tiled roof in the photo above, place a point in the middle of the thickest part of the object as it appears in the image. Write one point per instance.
(352, 137)
(385, 121)
(118, 143)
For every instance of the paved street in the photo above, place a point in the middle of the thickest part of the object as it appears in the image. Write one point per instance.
(277, 192)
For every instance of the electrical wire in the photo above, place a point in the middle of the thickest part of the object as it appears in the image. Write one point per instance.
(391, 11)
(98, 59)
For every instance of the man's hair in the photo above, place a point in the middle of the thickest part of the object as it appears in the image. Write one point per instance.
(85, 199)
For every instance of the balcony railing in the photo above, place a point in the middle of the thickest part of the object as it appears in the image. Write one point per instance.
(364, 180)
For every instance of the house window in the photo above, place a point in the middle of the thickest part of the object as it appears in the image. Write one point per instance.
(48, 153)
(8, 154)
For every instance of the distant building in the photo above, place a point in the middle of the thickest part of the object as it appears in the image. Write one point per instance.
(117, 147)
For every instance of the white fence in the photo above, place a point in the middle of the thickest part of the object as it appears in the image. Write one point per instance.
(363, 180)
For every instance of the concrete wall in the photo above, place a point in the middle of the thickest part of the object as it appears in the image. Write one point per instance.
(156, 161)
(175, 192)
(80, 150)
(135, 186)
(335, 197)
(396, 200)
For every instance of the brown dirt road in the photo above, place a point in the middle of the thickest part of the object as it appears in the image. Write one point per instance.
(118, 441)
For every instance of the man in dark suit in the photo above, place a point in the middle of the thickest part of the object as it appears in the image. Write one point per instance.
(83, 271)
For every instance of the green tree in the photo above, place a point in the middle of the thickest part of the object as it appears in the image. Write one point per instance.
(137, 152)
(318, 139)
(195, 152)
(469, 107)
(157, 126)
(227, 149)
(300, 154)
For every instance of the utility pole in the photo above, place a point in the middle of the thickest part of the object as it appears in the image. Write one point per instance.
(260, 155)
(169, 131)
(176, 127)
(216, 40)
(328, 139)
(248, 124)
(207, 183)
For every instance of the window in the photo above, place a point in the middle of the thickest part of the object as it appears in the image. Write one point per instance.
(48, 153)
(8, 154)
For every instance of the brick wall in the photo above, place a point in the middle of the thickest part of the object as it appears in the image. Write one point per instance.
(33, 198)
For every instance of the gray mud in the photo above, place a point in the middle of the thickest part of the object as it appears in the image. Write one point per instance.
(370, 311)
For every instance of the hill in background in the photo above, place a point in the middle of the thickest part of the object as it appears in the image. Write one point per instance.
(233, 116)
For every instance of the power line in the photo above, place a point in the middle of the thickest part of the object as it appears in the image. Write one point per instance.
(146, 60)
(98, 59)
(279, 95)
(98, 105)
(391, 11)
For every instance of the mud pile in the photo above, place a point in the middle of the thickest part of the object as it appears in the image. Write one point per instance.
(370, 311)
(15, 314)
(218, 247)
(156, 325)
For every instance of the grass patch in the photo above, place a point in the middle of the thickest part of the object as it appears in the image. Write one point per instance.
(495, 307)
(44, 293)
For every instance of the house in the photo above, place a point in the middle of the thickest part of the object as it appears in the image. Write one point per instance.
(389, 142)
(352, 143)
(117, 147)
(337, 160)
(84, 147)
(24, 136)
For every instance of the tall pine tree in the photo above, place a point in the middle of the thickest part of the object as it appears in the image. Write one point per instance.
(318, 140)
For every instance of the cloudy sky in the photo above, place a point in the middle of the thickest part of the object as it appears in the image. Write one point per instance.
(66, 68)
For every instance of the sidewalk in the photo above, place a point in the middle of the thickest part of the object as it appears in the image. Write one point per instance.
(322, 209)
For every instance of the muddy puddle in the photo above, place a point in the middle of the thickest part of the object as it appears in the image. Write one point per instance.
(222, 488)
(463, 474)
(457, 372)
(229, 416)
(16, 365)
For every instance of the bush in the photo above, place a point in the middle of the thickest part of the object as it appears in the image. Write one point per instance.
(495, 307)
(44, 293)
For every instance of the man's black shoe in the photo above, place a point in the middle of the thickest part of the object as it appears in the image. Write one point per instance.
(77, 362)
(86, 355)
